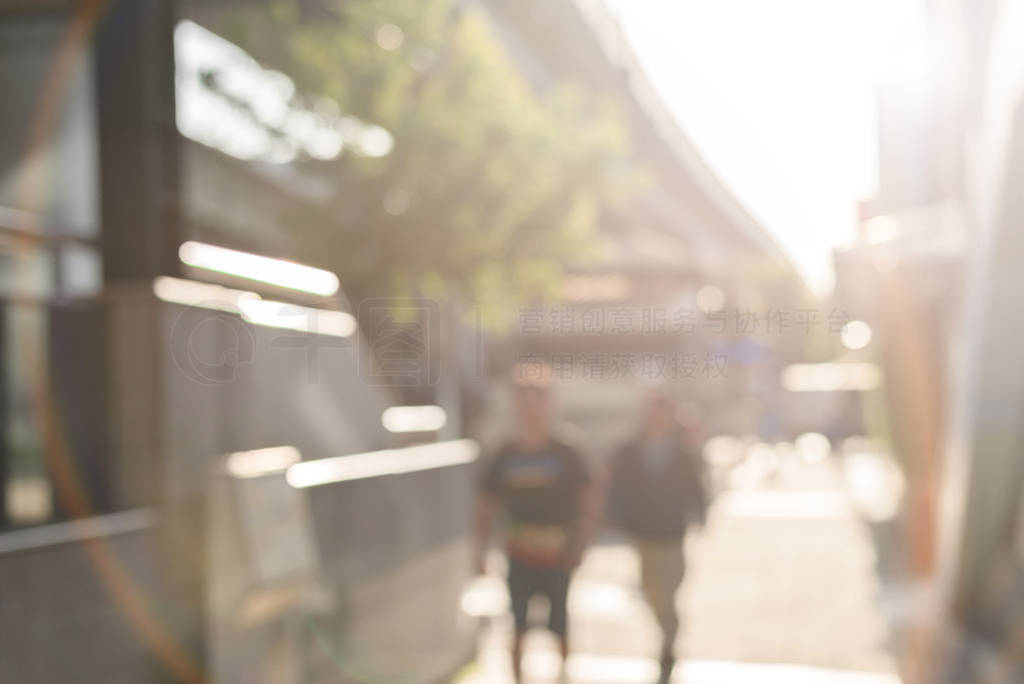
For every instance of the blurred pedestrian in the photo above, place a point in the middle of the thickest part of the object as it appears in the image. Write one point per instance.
(656, 492)
(544, 489)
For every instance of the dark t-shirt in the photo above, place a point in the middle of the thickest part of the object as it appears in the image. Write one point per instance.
(539, 491)
(658, 490)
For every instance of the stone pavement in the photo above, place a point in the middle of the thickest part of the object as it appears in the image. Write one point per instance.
(780, 587)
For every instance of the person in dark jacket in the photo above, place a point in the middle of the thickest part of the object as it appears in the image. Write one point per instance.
(657, 491)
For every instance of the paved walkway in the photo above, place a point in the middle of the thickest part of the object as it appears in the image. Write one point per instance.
(780, 588)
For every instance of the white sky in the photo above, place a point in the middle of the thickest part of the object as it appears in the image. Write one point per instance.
(778, 95)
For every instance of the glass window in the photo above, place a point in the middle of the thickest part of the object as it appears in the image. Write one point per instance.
(27, 496)
(48, 176)
(49, 225)
(81, 271)
(26, 272)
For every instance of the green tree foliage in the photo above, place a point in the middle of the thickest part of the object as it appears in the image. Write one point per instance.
(490, 187)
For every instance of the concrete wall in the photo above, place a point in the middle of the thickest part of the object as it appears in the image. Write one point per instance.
(186, 386)
(71, 597)
(377, 599)
(394, 551)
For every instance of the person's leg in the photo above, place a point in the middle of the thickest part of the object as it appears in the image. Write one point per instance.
(652, 578)
(672, 569)
(557, 591)
(661, 573)
(519, 590)
(517, 656)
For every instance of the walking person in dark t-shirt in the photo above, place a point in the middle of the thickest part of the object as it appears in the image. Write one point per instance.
(543, 487)
(657, 490)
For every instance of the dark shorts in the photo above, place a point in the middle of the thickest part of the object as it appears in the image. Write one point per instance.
(526, 581)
